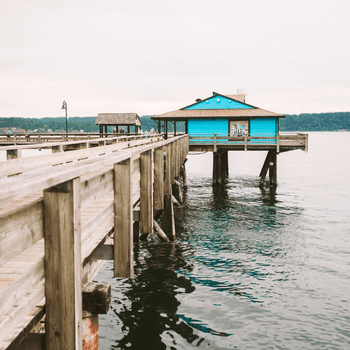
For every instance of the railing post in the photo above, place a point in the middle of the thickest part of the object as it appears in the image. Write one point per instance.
(214, 142)
(146, 193)
(278, 143)
(167, 183)
(123, 220)
(63, 290)
(158, 179)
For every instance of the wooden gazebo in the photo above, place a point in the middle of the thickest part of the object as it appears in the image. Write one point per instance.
(118, 120)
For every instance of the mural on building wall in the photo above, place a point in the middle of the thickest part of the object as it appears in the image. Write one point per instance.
(239, 127)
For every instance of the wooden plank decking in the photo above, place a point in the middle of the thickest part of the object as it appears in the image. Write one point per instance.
(96, 173)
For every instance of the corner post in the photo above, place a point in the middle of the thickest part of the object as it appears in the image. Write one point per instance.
(123, 220)
(63, 290)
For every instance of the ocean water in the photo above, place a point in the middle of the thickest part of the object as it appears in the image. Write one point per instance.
(250, 268)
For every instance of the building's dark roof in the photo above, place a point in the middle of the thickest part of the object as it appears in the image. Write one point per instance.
(218, 113)
(183, 114)
(118, 119)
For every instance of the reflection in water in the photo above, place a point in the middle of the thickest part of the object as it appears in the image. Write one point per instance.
(226, 236)
(152, 293)
(250, 269)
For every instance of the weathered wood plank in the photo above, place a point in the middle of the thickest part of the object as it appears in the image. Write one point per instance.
(123, 234)
(158, 179)
(160, 233)
(32, 163)
(96, 187)
(15, 316)
(63, 266)
(167, 183)
(20, 229)
(146, 197)
(26, 274)
(172, 216)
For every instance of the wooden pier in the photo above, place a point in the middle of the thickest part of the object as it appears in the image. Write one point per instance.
(274, 144)
(62, 215)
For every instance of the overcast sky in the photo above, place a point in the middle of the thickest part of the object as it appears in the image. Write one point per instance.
(154, 56)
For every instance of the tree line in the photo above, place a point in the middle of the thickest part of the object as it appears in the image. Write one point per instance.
(294, 122)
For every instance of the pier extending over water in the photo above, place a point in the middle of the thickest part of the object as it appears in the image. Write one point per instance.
(62, 215)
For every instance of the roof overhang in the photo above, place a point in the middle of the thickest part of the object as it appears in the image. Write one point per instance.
(217, 113)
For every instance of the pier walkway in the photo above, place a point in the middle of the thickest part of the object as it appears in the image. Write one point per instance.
(61, 216)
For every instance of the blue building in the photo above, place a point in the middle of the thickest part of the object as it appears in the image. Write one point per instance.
(222, 123)
(227, 115)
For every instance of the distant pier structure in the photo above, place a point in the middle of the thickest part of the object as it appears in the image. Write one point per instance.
(222, 123)
(121, 122)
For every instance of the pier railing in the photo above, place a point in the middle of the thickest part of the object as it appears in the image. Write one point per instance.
(57, 216)
(249, 141)
(15, 150)
(21, 138)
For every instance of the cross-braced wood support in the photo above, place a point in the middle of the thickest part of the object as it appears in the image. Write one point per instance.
(270, 165)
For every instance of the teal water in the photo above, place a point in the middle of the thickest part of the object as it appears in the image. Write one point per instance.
(250, 268)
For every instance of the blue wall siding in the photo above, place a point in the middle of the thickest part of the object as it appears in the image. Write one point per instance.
(219, 102)
(264, 126)
(208, 126)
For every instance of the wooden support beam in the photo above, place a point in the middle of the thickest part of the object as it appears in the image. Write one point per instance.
(177, 191)
(136, 231)
(160, 233)
(273, 169)
(173, 162)
(172, 216)
(167, 183)
(224, 164)
(123, 219)
(158, 179)
(217, 168)
(175, 201)
(96, 298)
(146, 192)
(265, 168)
(184, 176)
(63, 266)
(90, 331)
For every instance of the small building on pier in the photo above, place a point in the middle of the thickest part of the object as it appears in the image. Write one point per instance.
(121, 122)
(222, 115)
(222, 123)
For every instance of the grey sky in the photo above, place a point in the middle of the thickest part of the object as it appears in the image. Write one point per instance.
(155, 56)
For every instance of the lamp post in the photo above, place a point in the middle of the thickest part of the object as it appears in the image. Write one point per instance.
(64, 106)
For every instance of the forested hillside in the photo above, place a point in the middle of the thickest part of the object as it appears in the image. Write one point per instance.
(316, 122)
(301, 122)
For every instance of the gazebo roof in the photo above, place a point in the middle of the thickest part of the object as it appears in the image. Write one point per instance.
(118, 119)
